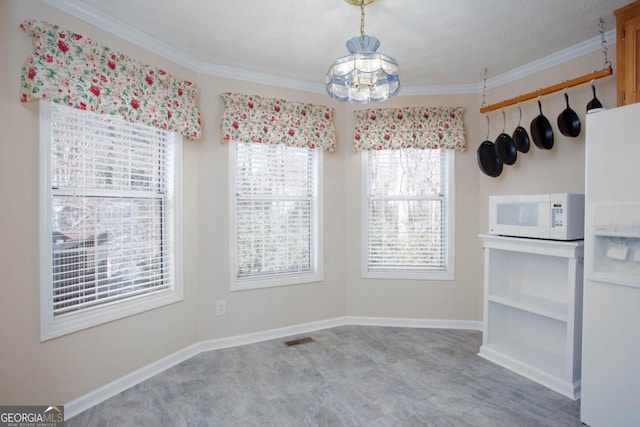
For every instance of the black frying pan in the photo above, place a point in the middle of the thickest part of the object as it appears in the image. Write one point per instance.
(505, 146)
(595, 102)
(541, 131)
(568, 120)
(520, 136)
(488, 159)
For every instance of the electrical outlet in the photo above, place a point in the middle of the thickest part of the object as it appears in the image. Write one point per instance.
(221, 307)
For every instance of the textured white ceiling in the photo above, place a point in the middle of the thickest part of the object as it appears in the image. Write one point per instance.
(436, 42)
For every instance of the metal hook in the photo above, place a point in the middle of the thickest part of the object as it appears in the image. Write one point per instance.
(540, 103)
(519, 113)
(488, 126)
(504, 120)
(593, 83)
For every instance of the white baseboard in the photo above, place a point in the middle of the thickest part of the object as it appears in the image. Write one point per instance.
(303, 328)
(415, 323)
(107, 391)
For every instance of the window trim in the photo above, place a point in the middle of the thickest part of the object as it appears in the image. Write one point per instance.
(442, 275)
(52, 326)
(317, 251)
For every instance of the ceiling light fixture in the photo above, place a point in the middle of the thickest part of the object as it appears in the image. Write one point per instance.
(364, 75)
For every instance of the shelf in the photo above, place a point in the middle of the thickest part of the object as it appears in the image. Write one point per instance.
(534, 304)
(512, 324)
(532, 309)
(555, 248)
(530, 279)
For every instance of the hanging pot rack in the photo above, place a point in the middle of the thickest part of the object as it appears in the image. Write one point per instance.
(606, 71)
(549, 89)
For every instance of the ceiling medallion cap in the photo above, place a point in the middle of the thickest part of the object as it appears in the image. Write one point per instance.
(359, 2)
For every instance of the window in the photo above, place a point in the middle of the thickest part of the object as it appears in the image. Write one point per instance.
(408, 215)
(275, 215)
(110, 212)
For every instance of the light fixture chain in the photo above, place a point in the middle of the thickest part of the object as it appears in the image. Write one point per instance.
(362, 18)
(603, 41)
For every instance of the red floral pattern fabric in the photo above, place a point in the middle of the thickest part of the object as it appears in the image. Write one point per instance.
(273, 121)
(409, 127)
(73, 70)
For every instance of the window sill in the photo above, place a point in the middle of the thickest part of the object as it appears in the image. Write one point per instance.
(73, 322)
(443, 275)
(272, 282)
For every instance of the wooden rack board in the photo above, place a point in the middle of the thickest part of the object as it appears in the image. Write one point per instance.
(547, 90)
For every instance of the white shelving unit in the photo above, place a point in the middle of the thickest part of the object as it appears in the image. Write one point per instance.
(533, 309)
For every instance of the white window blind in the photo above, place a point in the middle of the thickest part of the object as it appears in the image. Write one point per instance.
(275, 209)
(407, 213)
(111, 212)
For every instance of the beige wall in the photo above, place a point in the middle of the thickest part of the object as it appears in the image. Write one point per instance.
(65, 368)
(68, 367)
(420, 299)
(259, 309)
(561, 169)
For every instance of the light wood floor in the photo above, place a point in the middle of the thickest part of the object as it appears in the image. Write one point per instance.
(350, 376)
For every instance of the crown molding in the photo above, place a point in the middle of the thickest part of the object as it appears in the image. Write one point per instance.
(126, 32)
(257, 77)
(106, 23)
(456, 89)
(573, 52)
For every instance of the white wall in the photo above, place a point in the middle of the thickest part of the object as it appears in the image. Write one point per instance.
(68, 367)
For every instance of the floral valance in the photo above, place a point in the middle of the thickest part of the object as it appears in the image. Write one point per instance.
(277, 122)
(409, 127)
(73, 70)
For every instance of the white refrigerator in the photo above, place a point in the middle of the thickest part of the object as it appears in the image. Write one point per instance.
(611, 322)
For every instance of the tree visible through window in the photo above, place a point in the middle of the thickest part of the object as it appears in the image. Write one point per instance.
(408, 206)
(275, 215)
(111, 209)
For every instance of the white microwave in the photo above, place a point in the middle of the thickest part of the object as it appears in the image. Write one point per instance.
(538, 216)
